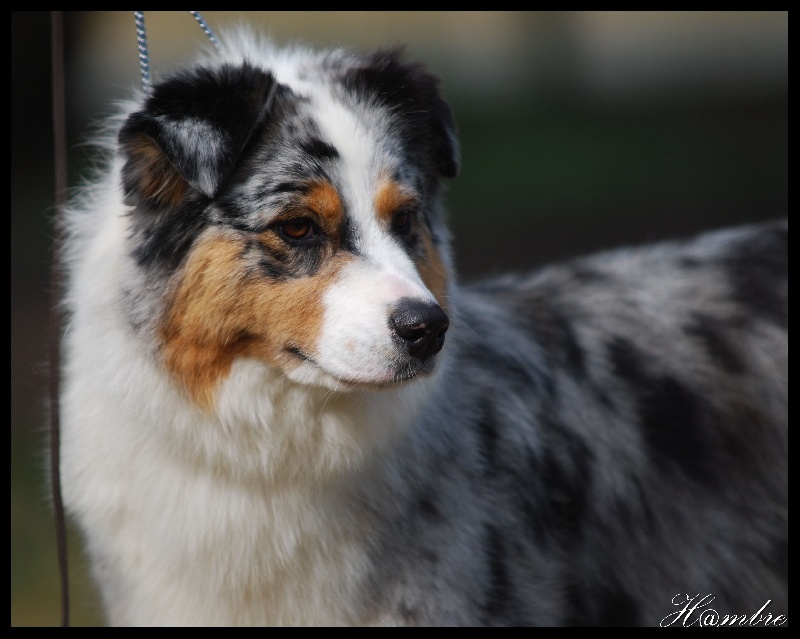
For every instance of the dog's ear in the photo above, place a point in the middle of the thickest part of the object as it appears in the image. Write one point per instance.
(191, 131)
(411, 93)
(446, 150)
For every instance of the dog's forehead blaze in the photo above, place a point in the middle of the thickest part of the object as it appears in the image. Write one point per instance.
(219, 312)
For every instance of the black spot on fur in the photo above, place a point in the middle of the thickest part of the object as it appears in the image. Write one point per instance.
(532, 504)
(626, 360)
(601, 605)
(243, 225)
(634, 512)
(674, 428)
(306, 168)
(602, 396)
(715, 337)
(273, 270)
(516, 374)
(428, 507)
(429, 555)
(319, 150)
(487, 430)
(499, 589)
(566, 479)
(349, 241)
(576, 613)
(674, 420)
(690, 263)
(554, 331)
(558, 337)
(758, 268)
(291, 187)
(163, 239)
(281, 262)
(743, 432)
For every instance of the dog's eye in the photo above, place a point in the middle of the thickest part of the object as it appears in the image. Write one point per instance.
(401, 221)
(297, 228)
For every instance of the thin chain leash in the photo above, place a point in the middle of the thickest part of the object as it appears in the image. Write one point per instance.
(144, 54)
(60, 170)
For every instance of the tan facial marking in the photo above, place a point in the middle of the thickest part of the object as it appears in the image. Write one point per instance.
(432, 270)
(220, 312)
(158, 179)
(324, 200)
(390, 198)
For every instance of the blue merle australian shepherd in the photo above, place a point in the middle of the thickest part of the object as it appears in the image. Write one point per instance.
(281, 407)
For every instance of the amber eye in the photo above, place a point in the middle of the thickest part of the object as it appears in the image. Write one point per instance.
(401, 221)
(297, 228)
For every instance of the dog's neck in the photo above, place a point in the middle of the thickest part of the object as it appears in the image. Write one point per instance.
(284, 434)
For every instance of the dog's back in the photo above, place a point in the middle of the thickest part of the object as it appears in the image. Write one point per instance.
(616, 441)
(280, 407)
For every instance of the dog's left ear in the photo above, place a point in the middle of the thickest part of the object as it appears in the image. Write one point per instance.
(447, 150)
(191, 132)
(411, 93)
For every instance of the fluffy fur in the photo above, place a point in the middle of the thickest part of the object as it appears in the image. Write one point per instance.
(281, 406)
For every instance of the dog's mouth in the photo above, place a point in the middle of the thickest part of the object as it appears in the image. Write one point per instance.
(401, 371)
(361, 354)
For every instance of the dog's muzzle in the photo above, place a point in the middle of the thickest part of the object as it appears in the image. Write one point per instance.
(421, 327)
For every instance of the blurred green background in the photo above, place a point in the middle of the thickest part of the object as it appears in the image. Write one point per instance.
(579, 131)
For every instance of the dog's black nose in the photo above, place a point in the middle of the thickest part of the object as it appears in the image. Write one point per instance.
(421, 326)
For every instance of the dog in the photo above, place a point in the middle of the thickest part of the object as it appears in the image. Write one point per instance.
(282, 407)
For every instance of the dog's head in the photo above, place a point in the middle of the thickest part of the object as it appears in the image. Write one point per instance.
(291, 202)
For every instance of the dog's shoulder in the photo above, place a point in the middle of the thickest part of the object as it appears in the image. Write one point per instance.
(603, 387)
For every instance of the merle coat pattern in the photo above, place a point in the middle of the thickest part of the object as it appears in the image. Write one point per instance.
(282, 407)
